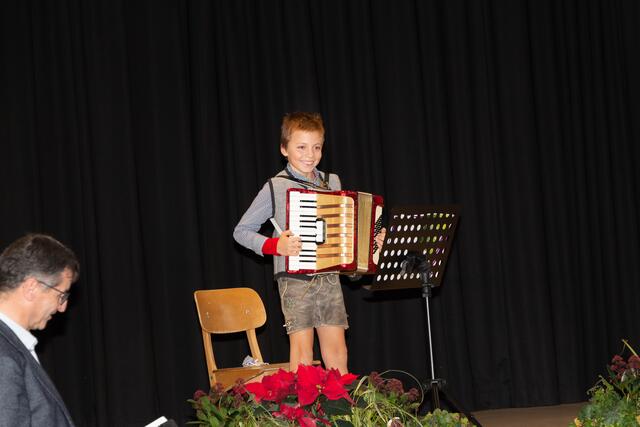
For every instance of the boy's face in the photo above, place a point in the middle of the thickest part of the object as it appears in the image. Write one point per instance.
(304, 151)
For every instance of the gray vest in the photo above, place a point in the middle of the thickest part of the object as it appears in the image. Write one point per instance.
(279, 185)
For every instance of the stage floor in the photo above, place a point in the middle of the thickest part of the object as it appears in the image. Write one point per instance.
(541, 416)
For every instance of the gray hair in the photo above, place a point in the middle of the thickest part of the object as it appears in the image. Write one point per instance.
(37, 255)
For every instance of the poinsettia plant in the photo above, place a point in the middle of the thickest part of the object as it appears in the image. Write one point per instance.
(304, 397)
(316, 397)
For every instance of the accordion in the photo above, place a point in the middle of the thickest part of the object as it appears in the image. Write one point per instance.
(337, 229)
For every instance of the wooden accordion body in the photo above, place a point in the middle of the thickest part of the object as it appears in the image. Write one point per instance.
(337, 230)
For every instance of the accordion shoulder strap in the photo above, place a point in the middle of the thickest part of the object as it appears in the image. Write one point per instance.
(324, 176)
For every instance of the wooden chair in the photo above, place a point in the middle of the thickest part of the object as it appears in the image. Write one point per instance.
(225, 311)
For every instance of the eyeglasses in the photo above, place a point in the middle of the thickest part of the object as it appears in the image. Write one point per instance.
(62, 297)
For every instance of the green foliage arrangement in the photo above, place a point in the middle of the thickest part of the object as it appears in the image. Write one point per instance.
(379, 401)
(615, 401)
(317, 397)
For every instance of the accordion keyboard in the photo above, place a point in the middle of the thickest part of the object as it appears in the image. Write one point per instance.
(325, 223)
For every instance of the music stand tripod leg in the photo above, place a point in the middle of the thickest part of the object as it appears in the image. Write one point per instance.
(436, 384)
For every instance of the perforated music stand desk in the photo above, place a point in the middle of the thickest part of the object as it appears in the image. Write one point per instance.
(421, 230)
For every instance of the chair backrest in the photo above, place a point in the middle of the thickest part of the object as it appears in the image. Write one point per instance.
(225, 311)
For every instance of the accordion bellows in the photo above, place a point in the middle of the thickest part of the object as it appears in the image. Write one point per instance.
(337, 229)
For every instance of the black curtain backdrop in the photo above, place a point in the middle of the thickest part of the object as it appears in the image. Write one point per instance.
(138, 132)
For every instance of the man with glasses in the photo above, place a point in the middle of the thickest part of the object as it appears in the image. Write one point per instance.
(36, 273)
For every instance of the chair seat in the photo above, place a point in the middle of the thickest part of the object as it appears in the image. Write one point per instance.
(228, 376)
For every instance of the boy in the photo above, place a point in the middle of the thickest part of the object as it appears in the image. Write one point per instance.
(309, 302)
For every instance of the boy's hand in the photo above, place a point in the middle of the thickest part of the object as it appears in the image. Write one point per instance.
(379, 239)
(289, 244)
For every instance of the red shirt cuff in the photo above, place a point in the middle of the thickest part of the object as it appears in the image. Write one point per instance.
(270, 246)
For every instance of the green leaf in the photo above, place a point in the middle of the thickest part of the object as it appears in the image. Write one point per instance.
(337, 407)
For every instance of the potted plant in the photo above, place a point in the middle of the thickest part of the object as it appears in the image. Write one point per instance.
(317, 397)
(615, 401)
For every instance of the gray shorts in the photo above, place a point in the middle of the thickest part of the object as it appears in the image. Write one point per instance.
(311, 304)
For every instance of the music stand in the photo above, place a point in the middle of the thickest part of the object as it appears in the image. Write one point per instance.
(414, 255)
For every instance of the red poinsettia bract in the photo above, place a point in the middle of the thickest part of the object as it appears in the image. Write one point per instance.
(274, 387)
(313, 381)
(298, 414)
